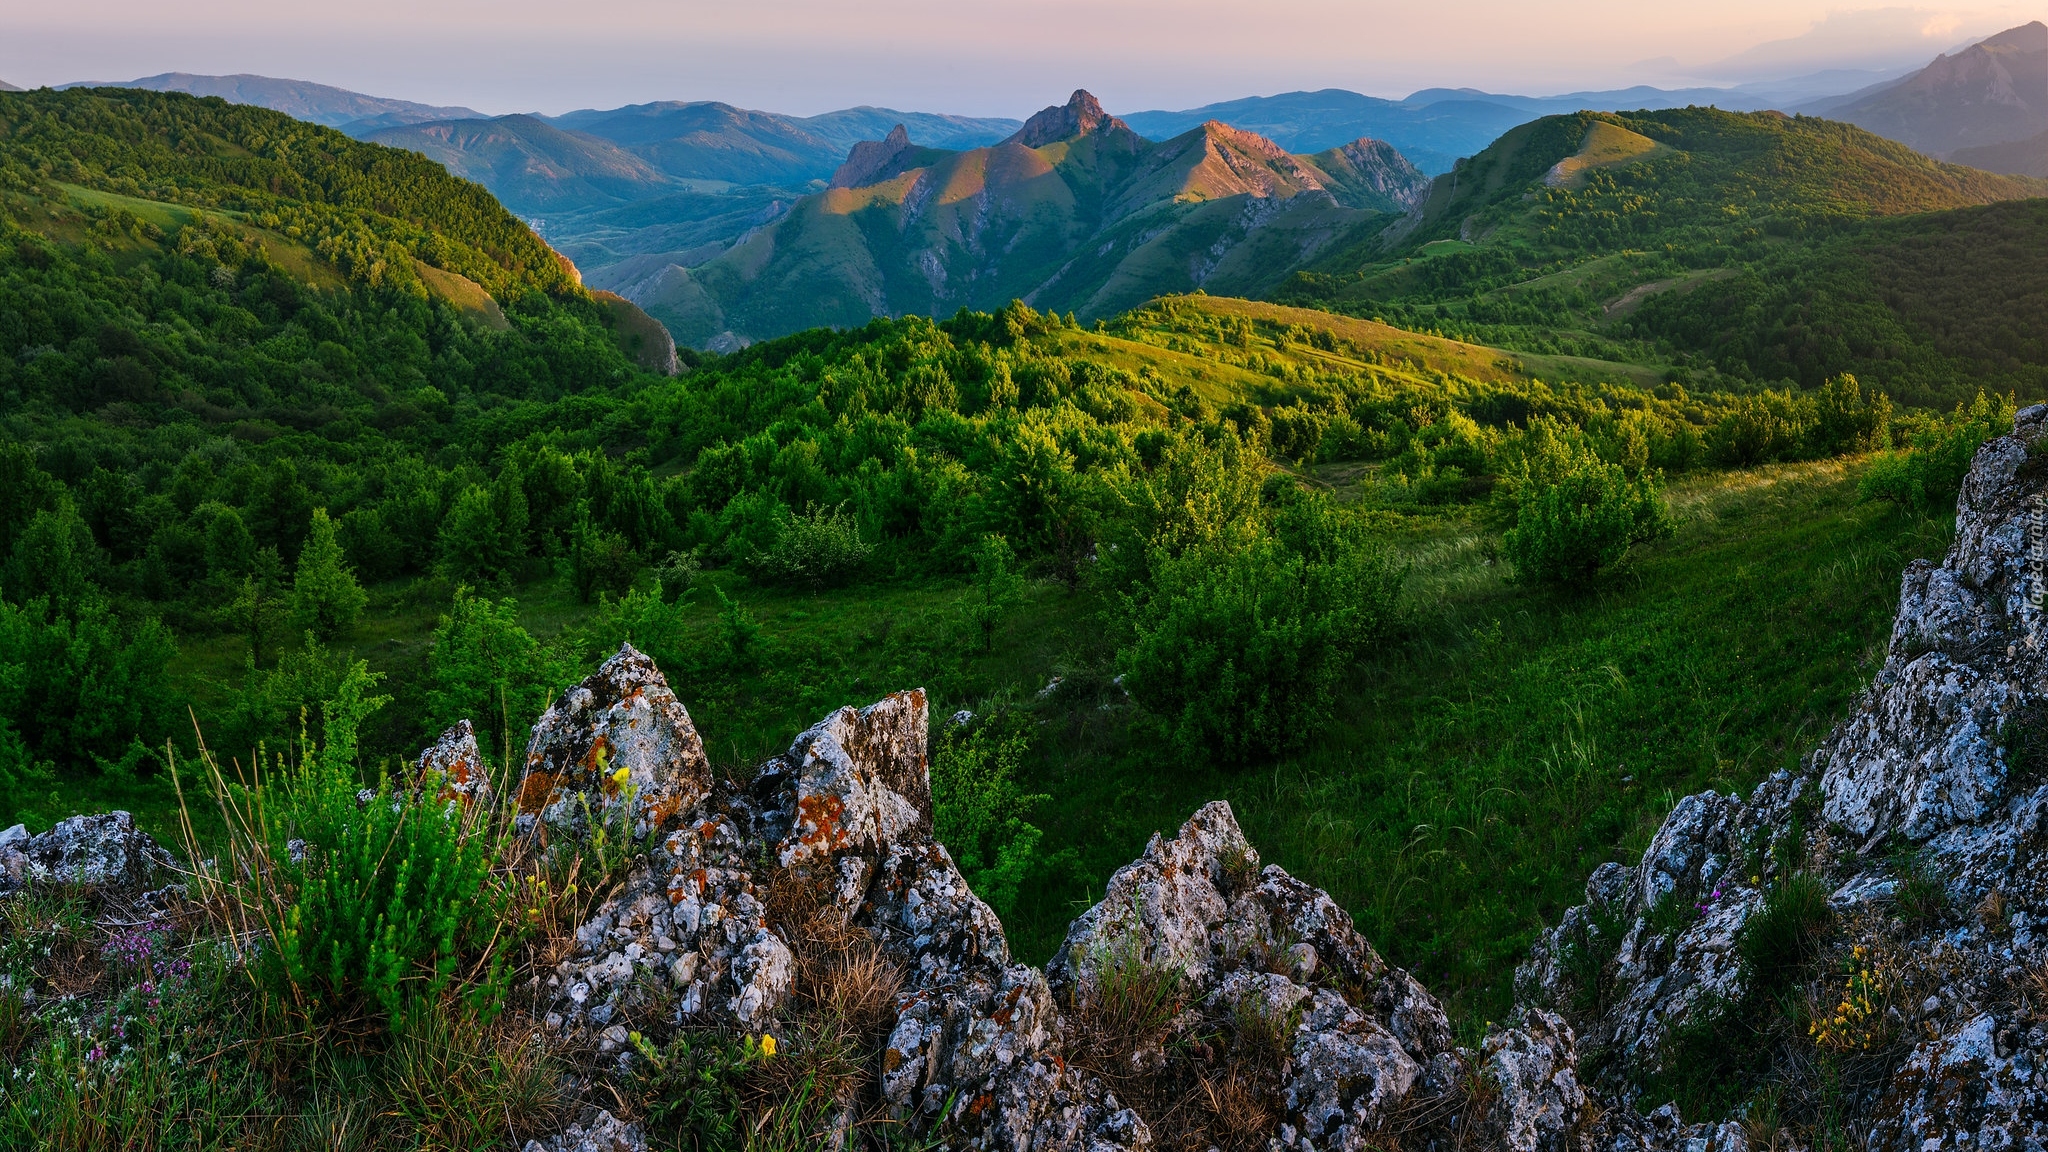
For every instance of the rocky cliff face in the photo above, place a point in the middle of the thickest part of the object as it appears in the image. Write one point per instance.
(1915, 832)
(1852, 954)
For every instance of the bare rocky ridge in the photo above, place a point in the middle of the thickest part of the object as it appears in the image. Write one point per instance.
(868, 159)
(1936, 780)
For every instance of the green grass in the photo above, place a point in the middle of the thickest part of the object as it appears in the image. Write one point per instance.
(1513, 740)
(1519, 738)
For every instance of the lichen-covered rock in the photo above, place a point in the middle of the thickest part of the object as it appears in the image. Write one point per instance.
(619, 735)
(1199, 905)
(598, 1132)
(862, 781)
(1928, 756)
(105, 851)
(1535, 1067)
(456, 766)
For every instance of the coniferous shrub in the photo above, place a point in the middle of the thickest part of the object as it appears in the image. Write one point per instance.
(326, 600)
(389, 895)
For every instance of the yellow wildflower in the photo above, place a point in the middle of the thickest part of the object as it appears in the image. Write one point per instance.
(767, 1045)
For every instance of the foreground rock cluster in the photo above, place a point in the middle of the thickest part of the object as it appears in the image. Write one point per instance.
(1920, 818)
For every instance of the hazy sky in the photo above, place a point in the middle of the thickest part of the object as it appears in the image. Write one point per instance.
(807, 56)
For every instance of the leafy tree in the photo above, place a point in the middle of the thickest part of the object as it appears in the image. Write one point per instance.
(600, 561)
(54, 560)
(259, 604)
(997, 587)
(484, 538)
(326, 600)
(82, 686)
(485, 668)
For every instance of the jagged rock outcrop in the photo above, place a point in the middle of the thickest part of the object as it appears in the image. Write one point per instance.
(1933, 790)
(104, 851)
(620, 737)
(978, 1045)
(869, 159)
(1081, 115)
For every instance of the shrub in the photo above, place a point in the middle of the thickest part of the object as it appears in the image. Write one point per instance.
(1787, 933)
(1930, 473)
(1569, 525)
(390, 895)
(694, 1084)
(980, 809)
(1240, 650)
(819, 549)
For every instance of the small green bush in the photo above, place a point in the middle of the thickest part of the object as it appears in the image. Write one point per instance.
(1569, 526)
(693, 1084)
(1240, 649)
(1930, 473)
(391, 895)
(820, 549)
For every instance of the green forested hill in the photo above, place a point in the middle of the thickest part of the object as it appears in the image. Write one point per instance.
(1932, 307)
(1557, 236)
(351, 202)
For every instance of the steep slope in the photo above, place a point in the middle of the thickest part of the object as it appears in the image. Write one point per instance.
(1370, 174)
(1993, 92)
(2028, 157)
(6, 87)
(352, 112)
(531, 165)
(1073, 212)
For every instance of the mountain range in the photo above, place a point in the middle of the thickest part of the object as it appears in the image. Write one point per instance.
(1975, 106)
(1076, 211)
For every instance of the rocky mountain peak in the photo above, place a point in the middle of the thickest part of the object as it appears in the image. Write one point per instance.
(869, 159)
(2031, 37)
(1081, 115)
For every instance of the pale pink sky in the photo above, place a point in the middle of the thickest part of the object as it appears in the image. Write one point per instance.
(807, 56)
